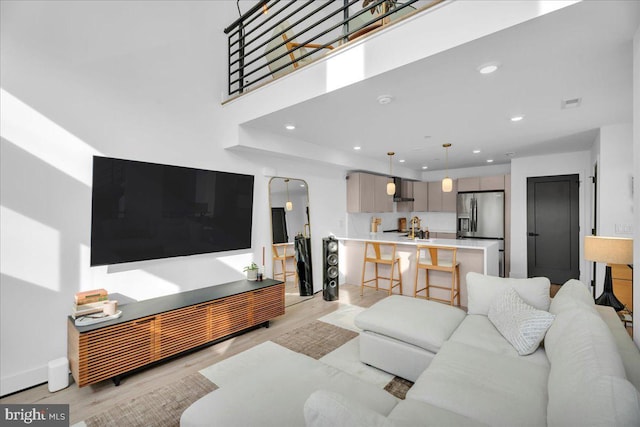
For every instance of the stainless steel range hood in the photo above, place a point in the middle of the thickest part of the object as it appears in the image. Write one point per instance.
(399, 195)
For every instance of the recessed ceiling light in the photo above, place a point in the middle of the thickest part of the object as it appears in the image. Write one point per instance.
(385, 99)
(476, 151)
(517, 118)
(289, 127)
(488, 68)
(425, 167)
(489, 160)
(401, 160)
(301, 185)
(357, 148)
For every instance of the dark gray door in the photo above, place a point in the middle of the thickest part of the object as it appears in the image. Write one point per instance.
(553, 230)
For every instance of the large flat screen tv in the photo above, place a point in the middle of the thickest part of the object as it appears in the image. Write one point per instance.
(143, 211)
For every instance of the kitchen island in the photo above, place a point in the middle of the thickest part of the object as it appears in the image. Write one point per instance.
(480, 256)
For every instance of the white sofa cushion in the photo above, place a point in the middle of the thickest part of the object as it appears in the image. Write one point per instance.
(420, 414)
(521, 324)
(276, 396)
(605, 401)
(482, 290)
(395, 357)
(329, 409)
(423, 323)
(478, 331)
(629, 353)
(492, 388)
(587, 383)
(580, 346)
(573, 294)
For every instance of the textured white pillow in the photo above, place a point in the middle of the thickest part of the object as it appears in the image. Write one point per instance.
(482, 290)
(522, 325)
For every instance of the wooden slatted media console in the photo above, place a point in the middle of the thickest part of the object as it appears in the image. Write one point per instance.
(155, 329)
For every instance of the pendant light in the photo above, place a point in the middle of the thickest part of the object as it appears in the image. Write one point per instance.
(447, 183)
(288, 205)
(391, 186)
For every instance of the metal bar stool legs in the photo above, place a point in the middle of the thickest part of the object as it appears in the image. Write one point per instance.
(441, 258)
(378, 258)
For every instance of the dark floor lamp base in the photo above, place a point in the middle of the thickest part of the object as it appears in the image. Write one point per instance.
(607, 297)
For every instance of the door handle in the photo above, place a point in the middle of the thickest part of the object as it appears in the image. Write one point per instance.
(533, 234)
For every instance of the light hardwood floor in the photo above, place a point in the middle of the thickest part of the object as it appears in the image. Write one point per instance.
(90, 400)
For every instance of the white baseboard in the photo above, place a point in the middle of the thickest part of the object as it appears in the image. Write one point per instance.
(12, 383)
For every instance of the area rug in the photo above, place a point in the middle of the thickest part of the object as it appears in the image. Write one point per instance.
(315, 339)
(322, 340)
(161, 407)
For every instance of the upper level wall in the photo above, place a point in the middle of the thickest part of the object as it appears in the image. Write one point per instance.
(418, 37)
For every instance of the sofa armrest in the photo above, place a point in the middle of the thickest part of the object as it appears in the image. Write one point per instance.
(328, 409)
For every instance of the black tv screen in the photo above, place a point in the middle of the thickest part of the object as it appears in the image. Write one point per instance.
(142, 211)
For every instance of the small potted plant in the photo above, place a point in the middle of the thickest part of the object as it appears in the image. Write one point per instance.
(252, 271)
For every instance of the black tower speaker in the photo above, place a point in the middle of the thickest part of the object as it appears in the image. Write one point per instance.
(330, 271)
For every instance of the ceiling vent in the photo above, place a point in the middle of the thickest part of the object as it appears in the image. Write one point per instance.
(570, 103)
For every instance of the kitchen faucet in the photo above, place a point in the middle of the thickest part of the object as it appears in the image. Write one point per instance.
(415, 221)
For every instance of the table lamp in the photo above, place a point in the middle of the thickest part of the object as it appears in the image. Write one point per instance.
(610, 250)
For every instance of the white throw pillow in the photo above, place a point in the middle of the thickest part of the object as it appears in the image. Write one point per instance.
(482, 291)
(521, 324)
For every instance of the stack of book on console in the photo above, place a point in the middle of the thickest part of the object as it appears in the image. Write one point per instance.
(94, 306)
(89, 302)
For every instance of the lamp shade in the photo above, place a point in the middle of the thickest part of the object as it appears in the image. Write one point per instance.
(289, 206)
(447, 185)
(391, 188)
(609, 250)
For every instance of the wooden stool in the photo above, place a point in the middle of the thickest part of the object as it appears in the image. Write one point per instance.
(281, 253)
(436, 261)
(378, 257)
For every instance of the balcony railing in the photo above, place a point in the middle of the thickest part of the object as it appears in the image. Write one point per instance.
(275, 37)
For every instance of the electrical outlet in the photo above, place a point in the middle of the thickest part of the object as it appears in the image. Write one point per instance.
(624, 228)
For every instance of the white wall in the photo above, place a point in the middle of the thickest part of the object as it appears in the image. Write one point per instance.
(135, 80)
(615, 193)
(523, 168)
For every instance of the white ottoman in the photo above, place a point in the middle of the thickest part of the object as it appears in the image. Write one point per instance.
(401, 335)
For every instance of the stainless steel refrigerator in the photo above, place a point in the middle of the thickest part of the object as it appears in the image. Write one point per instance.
(480, 215)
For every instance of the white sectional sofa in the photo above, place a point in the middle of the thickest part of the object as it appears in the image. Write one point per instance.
(586, 374)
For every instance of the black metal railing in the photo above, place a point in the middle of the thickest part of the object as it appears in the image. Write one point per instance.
(277, 36)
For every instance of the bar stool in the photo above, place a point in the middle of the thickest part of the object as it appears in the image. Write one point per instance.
(281, 253)
(439, 258)
(385, 254)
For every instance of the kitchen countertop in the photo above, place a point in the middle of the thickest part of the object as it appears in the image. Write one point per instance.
(402, 239)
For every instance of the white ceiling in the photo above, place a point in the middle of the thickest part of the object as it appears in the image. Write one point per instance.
(583, 51)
